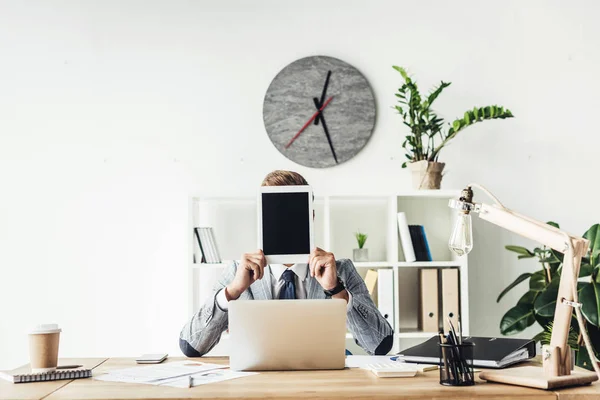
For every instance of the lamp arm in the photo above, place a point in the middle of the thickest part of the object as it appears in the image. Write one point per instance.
(483, 189)
(574, 248)
(581, 322)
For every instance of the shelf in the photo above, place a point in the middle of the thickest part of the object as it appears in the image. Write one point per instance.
(370, 264)
(438, 194)
(210, 265)
(416, 264)
(429, 264)
(373, 264)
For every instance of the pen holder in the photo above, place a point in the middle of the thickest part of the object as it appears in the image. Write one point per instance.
(456, 364)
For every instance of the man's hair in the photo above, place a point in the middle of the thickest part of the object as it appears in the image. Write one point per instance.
(283, 178)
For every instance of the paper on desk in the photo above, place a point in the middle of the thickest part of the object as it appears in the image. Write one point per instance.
(155, 374)
(204, 378)
(364, 361)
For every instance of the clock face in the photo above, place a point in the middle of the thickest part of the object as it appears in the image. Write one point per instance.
(319, 111)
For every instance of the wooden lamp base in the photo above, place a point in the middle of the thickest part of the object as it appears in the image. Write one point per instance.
(532, 376)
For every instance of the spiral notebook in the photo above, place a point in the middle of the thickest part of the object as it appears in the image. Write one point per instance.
(47, 376)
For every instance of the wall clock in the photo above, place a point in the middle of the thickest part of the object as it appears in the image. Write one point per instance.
(319, 111)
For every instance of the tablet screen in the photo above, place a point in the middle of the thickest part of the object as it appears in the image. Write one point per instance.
(285, 223)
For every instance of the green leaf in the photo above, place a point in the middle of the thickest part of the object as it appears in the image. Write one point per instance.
(519, 279)
(402, 72)
(540, 337)
(593, 235)
(516, 320)
(436, 92)
(554, 224)
(528, 298)
(590, 297)
(520, 250)
(537, 281)
(543, 321)
(585, 270)
(545, 303)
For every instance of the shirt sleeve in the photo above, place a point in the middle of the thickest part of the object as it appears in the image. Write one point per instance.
(222, 302)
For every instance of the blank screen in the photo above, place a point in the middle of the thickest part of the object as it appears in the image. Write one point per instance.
(285, 223)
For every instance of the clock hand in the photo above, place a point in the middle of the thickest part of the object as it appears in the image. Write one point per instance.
(323, 95)
(308, 122)
(316, 101)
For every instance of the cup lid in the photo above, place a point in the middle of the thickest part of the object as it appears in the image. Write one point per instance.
(45, 328)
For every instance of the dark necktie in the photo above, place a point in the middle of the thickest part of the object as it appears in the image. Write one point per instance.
(288, 291)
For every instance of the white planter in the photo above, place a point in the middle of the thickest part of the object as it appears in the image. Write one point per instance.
(360, 255)
(426, 174)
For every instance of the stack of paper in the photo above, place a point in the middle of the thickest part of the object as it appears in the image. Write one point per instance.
(366, 362)
(177, 374)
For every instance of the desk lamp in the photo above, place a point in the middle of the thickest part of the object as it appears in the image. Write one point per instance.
(556, 369)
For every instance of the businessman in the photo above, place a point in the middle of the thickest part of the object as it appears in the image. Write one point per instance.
(321, 277)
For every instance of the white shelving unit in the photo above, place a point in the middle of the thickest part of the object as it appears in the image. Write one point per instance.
(337, 217)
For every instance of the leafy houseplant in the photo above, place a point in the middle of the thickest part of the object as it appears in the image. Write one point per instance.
(539, 302)
(427, 128)
(360, 254)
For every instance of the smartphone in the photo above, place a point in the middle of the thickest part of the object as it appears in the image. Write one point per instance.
(151, 358)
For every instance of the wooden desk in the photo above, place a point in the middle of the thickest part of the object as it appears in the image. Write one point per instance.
(344, 384)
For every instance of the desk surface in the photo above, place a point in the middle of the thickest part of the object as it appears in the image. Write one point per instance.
(343, 384)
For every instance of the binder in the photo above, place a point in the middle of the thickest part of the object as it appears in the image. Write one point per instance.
(450, 297)
(385, 294)
(430, 314)
(405, 240)
(488, 352)
(371, 281)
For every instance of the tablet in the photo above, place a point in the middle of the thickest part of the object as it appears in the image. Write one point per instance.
(285, 223)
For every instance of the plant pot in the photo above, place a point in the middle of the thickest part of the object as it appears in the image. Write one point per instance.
(426, 174)
(360, 255)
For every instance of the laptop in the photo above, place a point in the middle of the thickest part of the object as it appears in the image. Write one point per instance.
(287, 335)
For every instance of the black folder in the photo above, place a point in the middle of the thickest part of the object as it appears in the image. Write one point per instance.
(487, 353)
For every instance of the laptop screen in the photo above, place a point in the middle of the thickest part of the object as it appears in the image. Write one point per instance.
(285, 223)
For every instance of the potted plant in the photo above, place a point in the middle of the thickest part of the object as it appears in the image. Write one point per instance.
(361, 254)
(428, 135)
(539, 302)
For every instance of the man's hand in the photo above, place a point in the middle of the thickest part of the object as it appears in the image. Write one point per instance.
(250, 269)
(322, 267)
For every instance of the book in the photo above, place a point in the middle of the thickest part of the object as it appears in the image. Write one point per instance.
(207, 244)
(199, 256)
(213, 244)
(419, 242)
(371, 281)
(488, 352)
(385, 294)
(46, 376)
(405, 238)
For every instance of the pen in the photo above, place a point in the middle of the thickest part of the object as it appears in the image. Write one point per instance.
(69, 366)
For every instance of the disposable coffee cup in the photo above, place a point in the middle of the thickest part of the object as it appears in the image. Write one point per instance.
(43, 348)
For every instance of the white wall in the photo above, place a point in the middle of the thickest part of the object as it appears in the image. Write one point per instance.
(112, 112)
